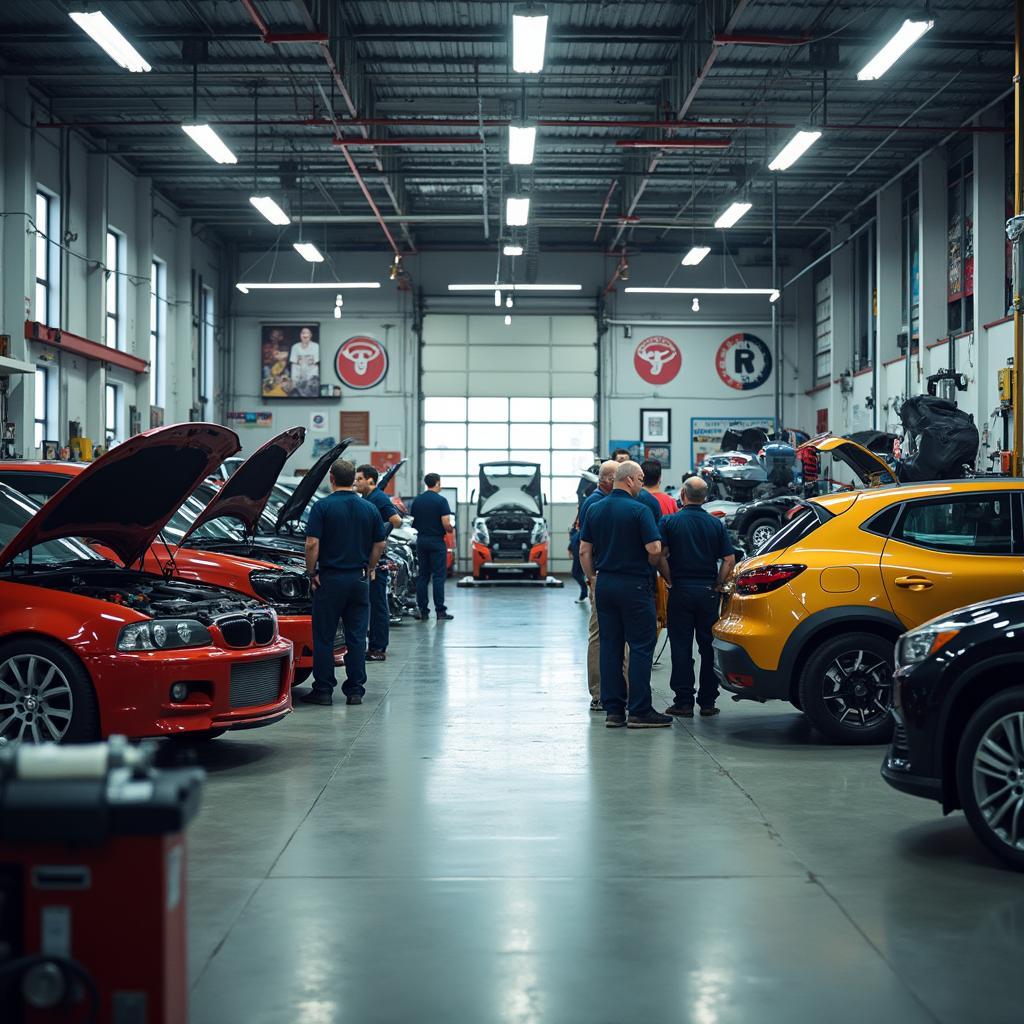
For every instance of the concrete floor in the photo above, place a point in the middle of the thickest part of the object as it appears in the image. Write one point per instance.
(473, 846)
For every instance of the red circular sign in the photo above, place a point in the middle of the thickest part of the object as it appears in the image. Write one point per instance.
(657, 360)
(361, 362)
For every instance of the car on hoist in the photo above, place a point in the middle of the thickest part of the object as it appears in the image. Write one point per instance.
(510, 534)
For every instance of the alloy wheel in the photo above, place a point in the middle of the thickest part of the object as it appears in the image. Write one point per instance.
(36, 702)
(857, 688)
(998, 777)
(761, 535)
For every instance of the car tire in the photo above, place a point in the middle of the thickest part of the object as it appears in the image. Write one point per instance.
(73, 711)
(842, 683)
(977, 767)
(301, 675)
(759, 531)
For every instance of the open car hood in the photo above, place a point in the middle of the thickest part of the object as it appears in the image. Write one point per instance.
(389, 475)
(247, 491)
(868, 467)
(293, 508)
(510, 483)
(125, 498)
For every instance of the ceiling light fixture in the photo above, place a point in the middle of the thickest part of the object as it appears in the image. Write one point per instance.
(339, 301)
(508, 301)
(104, 34)
(516, 287)
(508, 319)
(775, 295)
(522, 140)
(529, 36)
(497, 298)
(732, 214)
(517, 211)
(513, 250)
(396, 267)
(300, 286)
(309, 252)
(695, 305)
(270, 210)
(695, 255)
(337, 312)
(210, 142)
(906, 35)
(702, 291)
(793, 150)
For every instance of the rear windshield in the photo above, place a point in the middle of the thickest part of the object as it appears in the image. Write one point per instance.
(802, 525)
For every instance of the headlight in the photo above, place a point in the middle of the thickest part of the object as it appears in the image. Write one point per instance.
(921, 643)
(279, 586)
(540, 532)
(480, 532)
(163, 635)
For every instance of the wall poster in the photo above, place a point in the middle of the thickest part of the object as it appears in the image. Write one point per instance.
(355, 423)
(706, 432)
(290, 360)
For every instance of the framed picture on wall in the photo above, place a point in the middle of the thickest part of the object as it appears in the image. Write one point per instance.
(290, 360)
(661, 452)
(656, 426)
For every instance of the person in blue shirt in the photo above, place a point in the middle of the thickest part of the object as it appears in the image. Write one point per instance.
(380, 617)
(619, 543)
(696, 559)
(344, 538)
(432, 517)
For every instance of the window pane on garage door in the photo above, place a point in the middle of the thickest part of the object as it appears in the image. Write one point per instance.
(447, 463)
(490, 410)
(444, 435)
(437, 410)
(530, 410)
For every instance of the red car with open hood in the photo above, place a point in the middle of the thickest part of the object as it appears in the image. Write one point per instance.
(89, 647)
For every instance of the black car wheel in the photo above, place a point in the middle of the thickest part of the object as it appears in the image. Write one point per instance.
(845, 689)
(990, 775)
(760, 531)
(45, 695)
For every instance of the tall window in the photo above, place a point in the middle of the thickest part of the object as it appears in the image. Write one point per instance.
(157, 331)
(823, 330)
(558, 434)
(47, 290)
(114, 414)
(114, 260)
(206, 352)
(42, 404)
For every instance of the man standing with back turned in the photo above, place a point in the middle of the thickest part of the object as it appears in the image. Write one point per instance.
(344, 538)
(619, 544)
(380, 617)
(432, 517)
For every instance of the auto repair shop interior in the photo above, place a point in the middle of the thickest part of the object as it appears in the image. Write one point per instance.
(770, 245)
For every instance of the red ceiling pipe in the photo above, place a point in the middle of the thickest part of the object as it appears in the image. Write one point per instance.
(408, 140)
(604, 208)
(283, 37)
(369, 198)
(674, 143)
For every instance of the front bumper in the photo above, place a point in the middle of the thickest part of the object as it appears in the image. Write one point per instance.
(299, 629)
(535, 562)
(738, 674)
(910, 762)
(133, 689)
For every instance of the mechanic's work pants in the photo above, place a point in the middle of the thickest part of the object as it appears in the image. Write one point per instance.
(625, 614)
(433, 558)
(344, 597)
(692, 609)
(594, 652)
(380, 615)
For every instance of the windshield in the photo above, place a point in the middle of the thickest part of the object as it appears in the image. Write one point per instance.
(15, 512)
(216, 530)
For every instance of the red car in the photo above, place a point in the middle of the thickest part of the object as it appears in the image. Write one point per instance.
(278, 579)
(89, 647)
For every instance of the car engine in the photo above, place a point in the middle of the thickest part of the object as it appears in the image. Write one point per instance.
(510, 533)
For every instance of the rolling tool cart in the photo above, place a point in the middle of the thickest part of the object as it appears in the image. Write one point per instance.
(92, 884)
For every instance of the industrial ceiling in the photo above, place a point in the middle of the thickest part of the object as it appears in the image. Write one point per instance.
(385, 123)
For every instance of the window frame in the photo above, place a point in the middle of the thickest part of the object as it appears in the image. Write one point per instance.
(157, 331)
(114, 319)
(207, 327)
(1013, 497)
(115, 389)
(41, 425)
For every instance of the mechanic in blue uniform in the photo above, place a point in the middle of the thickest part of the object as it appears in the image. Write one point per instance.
(619, 543)
(432, 517)
(380, 617)
(696, 559)
(344, 538)
(605, 483)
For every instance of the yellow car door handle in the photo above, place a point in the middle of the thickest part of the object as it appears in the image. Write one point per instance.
(914, 583)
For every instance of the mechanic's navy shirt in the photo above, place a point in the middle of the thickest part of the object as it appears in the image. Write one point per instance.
(651, 502)
(382, 503)
(619, 529)
(427, 511)
(347, 528)
(589, 502)
(696, 540)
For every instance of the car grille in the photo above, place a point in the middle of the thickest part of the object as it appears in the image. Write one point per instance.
(900, 745)
(509, 542)
(236, 632)
(263, 629)
(255, 683)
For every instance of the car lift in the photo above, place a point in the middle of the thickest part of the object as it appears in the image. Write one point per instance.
(510, 581)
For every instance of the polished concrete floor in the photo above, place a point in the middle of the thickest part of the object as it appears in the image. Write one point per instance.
(471, 845)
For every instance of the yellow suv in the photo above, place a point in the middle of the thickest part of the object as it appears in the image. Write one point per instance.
(814, 615)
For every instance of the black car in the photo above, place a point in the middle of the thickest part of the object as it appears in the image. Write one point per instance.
(958, 705)
(756, 522)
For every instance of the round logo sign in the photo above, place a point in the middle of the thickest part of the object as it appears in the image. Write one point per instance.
(657, 360)
(361, 362)
(743, 362)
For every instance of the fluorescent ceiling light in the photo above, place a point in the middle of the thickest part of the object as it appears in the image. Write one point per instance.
(309, 252)
(282, 286)
(522, 140)
(695, 255)
(517, 211)
(793, 150)
(529, 34)
(497, 297)
(775, 295)
(702, 291)
(207, 139)
(733, 214)
(907, 34)
(106, 35)
(508, 319)
(513, 250)
(270, 210)
(516, 287)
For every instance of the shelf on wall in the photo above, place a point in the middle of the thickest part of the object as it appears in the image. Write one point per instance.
(9, 366)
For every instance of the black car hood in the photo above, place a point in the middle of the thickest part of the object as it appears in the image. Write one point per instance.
(389, 475)
(293, 508)
(521, 490)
